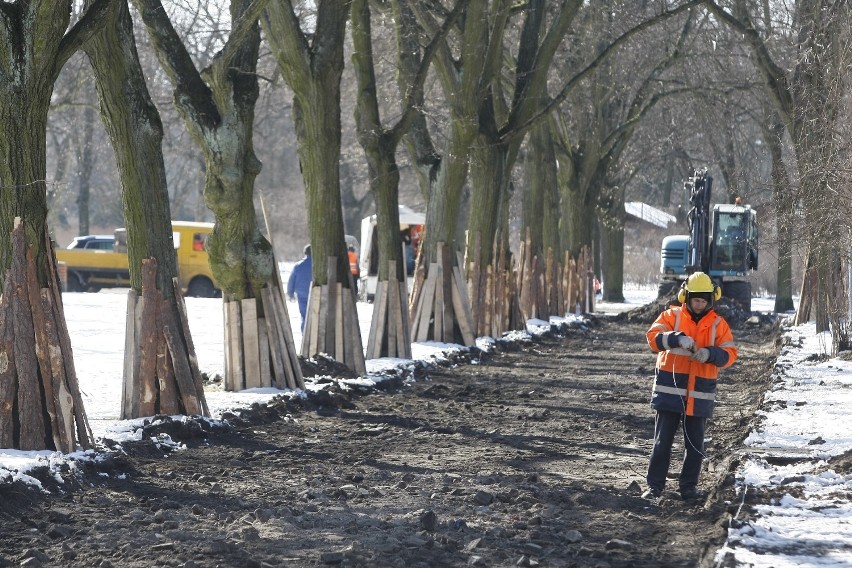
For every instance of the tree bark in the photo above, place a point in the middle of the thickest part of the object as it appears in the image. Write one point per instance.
(218, 109)
(313, 69)
(35, 344)
(133, 124)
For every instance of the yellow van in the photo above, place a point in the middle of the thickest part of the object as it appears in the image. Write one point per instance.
(88, 270)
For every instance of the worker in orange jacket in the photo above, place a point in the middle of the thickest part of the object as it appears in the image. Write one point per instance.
(353, 267)
(692, 343)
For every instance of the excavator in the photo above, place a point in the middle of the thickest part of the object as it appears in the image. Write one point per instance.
(722, 242)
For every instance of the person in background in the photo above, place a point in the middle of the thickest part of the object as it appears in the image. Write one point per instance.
(299, 283)
(692, 343)
(408, 247)
(353, 267)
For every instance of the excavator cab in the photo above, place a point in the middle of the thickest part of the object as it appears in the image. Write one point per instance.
(734, 242)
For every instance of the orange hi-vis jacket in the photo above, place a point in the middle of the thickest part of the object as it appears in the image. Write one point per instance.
(353, 263)
(683, 384)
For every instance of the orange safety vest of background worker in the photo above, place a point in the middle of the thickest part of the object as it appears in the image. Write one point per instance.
(353, 262)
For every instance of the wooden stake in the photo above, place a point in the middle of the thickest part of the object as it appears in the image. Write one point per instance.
(251, 345)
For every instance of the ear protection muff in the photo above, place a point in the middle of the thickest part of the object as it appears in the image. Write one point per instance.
(681, 294)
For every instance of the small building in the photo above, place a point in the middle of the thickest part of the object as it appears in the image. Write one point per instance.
(645, 227)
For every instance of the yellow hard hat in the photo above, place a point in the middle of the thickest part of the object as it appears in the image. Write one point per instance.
(698, 282)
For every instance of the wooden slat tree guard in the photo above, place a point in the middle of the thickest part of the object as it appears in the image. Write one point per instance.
(504, 295)
(332, 323)
(260, 350)
(40, 403)
(390, 333)
(442, 311)
(161, 374)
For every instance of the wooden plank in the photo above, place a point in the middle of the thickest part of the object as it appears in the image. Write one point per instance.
(415, 319)
(63, 402)
(131, 357)
(465, 302)
(461, 317)
(315, 313)
(226, 332)
(377, 323)
(338, 321)
(403, 341)
(8, 378)
(438, 309)
(167, 400)
(427, 299)
(330, 297)
(185, 386)
(251, 346)
(350, 318)
(393, 301)
(149, 333)
(263, 355)
(449, 319)
(309, 325)
(405, 352)
(281, 312)
(290, 360)
(488, 304)
(190, 346)
(274, 339)
(235, 346)
(42, 349)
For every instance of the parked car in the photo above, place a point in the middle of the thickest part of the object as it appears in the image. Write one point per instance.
(92, 242)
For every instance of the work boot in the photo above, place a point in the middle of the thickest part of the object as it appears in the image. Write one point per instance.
(692, 494)
(652, 494)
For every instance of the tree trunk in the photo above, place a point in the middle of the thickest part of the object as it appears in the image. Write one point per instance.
(41, 406)
(390, 333)
(218, 109)
(784, 215)
(612, 249)
(86, 163)
(313, 68)
(136, 133)
(541, 199)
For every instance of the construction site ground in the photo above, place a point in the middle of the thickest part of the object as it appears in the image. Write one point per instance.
(533, 454)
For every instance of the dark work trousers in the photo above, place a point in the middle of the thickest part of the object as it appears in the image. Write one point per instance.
(665, 426)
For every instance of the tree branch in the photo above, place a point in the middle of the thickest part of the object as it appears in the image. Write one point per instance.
(415, 92)
(594, 64)
(191, 92)
(240, 30)
(775, 77)
(93, 19)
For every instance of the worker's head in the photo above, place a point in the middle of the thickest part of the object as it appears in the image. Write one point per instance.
(307, 250)
(698, 293)
(351, 248)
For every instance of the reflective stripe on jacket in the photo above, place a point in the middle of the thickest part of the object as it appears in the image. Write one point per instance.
(682, 384)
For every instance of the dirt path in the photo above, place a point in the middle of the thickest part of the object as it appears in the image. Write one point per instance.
(530, 457)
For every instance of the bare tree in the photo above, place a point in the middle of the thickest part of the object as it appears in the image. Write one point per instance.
(309, 53)
(808, 101)
(153, 383)
(41, 403)
(217, 106)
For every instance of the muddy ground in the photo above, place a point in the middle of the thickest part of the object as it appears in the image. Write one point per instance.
(532, 455)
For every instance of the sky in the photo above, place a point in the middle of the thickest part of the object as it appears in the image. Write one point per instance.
(804, 517)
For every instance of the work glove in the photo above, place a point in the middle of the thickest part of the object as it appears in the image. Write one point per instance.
(686, 342)
(701, 355)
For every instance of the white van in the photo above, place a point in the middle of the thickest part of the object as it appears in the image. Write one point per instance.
(411, 226)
